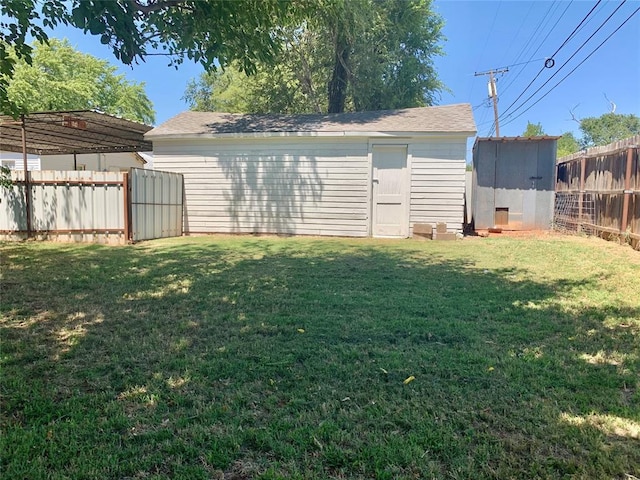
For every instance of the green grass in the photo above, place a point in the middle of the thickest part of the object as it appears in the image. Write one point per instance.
(242, 357)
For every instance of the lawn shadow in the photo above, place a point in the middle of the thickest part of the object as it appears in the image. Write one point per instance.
(189, 358)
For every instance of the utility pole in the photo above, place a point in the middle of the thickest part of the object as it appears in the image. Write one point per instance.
(493, 93)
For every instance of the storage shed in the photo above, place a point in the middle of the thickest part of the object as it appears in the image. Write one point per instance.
(513, 183)
(351, 174)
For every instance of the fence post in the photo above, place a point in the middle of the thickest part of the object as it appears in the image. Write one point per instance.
(627, 192)
(583, 169)
(127, 207)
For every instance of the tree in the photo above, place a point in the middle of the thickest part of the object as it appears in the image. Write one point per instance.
(392, 59)
(567, 144)
(357, 55)
(61, 78)
(5, 177)
(608, 128)
(207, 31)
(533, 130)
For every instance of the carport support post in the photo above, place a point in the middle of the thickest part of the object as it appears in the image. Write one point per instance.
(27, 187)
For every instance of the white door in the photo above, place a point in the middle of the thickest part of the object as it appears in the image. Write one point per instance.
(389, 191)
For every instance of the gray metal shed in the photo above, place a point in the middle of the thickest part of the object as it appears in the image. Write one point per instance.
(513, 182)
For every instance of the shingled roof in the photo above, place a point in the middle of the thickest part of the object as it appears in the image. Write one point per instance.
(442, 119)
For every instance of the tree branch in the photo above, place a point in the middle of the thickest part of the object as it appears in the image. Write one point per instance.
(146, 9)
(573, 116)
(612, 104)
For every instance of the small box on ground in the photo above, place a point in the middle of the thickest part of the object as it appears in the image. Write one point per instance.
(423, 230)
(441, 227)
(445, 236)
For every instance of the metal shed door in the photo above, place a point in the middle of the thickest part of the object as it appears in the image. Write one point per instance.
(516, 171)
(389, 191)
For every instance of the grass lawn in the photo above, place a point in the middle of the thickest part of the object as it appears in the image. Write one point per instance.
(242, 357)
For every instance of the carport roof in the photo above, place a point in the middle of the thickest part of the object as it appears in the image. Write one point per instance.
(441, 119)
(73, 131)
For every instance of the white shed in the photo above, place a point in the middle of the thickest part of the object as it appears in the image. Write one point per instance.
(351, 174)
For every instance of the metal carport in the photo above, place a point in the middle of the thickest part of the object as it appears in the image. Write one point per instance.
(69, 132)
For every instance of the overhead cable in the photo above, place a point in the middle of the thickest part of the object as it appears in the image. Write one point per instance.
(575, 29)
(576, 67)
(504, 114)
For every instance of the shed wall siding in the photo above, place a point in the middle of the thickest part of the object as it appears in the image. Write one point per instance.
(438, 182)
(310, 187)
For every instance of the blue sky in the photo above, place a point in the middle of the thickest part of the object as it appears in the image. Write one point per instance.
(483, 35)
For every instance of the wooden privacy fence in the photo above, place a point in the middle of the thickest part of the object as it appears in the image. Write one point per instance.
(598, 191)
(85, 206)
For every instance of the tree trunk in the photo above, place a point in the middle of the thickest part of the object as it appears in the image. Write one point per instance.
(339, 78)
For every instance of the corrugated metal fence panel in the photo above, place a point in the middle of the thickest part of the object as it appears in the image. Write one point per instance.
(79, 200)
(13, 216)
(81, 204)
(156, 204)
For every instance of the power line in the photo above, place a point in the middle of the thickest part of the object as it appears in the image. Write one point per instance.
(576, 67)
(575, 29)
(559, 69)
(493, 23)
(590, 19)
(495, 16)
(552, 29)
(544, 66)
(539, 46)
(524, 20)
(530, 41)
(521, 63)
(527, 46)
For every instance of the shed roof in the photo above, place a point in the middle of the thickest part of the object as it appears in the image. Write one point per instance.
(73, 131)
(538, 138)
(442, 119)
(518, 139)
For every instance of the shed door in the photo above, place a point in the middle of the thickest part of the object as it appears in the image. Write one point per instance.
(515, 175)
(389, 191)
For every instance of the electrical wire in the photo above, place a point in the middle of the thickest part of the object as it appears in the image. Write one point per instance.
(518, 64)
(575, 29)
(526, 47)
(551, 57)
(504, 114)
(540, 46)
(552, 29)
(495, 16)
(533, 35)
(524, 20)
(575, 68)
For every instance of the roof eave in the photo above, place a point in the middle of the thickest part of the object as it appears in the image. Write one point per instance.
(185, 136)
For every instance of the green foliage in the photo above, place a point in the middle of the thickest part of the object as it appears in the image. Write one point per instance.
(392, 60)
(61, 78)
(567, 144)
(355, 56)
(533, 130)
(204, 31)
(596, 131)
(5, 177)
(608, 128)
(19, 19)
